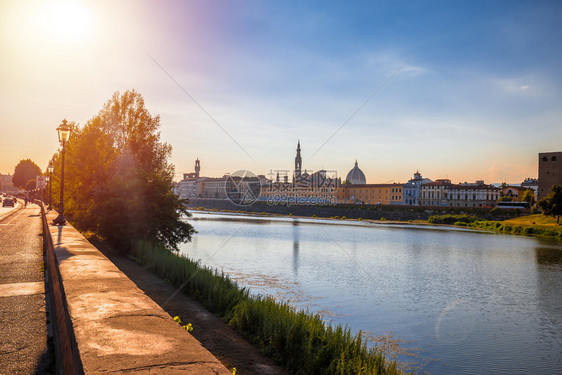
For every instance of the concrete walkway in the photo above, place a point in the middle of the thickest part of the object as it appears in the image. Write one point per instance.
(118, 329)
(23, 328)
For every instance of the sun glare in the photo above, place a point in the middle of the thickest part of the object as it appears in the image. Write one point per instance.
(68, 19)
(55, 22)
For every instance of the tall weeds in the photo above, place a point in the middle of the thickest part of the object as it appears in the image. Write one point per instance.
(297, 340)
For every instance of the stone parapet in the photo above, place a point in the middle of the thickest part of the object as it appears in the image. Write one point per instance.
(118, 329)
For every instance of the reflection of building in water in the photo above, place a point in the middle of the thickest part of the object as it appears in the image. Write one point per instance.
(300, 186)
(296, 247)
(548, 267)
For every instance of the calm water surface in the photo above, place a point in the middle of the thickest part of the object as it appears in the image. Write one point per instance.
(455, 301)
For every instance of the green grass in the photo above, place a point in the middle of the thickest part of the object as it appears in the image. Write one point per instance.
(451, 219)
(297, 340)
(532, 225)
(521, 229)
(540, 220)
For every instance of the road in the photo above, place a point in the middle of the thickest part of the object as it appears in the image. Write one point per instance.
(23, 327)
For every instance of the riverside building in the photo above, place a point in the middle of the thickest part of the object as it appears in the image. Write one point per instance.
(550, 172)
(412, 189)
(370, 194)
(473, 195)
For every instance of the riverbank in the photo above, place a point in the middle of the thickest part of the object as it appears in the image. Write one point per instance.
(530, 225)
(233, 350)
(334, 220)
(356, 211)
(299, 341)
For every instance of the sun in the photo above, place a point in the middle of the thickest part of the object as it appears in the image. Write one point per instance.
(67, 19)
(42, 23)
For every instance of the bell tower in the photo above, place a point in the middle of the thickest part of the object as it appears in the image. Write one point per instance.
(197, 168)
(298, 160)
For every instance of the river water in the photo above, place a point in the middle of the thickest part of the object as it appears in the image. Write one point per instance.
(442, 300)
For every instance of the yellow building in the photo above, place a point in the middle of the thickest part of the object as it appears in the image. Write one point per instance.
(513, 192)
(370, 193)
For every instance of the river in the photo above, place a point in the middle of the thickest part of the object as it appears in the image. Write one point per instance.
(442, 300)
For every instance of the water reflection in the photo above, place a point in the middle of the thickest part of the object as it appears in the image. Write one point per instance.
(296, 245)
(548, 255)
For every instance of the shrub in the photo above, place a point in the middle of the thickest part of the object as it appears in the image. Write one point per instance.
(451, 219)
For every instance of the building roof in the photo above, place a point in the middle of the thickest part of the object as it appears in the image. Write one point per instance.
(356, 176)
(372, 185)
(515, 187)
(440, 182)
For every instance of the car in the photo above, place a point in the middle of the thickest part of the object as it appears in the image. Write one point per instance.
(8, 202)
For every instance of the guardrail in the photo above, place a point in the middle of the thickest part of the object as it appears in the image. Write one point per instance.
(66, 350)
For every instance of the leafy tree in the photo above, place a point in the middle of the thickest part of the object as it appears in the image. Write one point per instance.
(529, 196)
(25, 170)
(551, 205)
(29, 185)
(118, 180)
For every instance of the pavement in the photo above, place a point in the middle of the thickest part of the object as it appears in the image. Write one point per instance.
(118, 328)
(5, 211)
(23, 327)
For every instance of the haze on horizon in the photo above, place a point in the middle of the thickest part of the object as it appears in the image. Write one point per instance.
(465, 90)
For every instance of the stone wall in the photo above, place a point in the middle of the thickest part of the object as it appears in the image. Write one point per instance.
(401, 213)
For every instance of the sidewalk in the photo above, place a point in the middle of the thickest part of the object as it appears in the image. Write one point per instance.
(118, 328)
(23, 328)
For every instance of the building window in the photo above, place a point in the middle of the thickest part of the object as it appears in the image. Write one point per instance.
(553, 158)
(544, 158)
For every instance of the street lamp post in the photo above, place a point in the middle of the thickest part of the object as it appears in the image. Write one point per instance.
(64, 134)
(50, 169)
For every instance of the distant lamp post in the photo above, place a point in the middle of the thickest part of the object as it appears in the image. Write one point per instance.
(50, 169)
(64, 134)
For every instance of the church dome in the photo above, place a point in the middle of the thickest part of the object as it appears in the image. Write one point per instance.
(356, 176)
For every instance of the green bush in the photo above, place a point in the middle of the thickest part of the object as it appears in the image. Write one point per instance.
(452, 219)
(517, 229)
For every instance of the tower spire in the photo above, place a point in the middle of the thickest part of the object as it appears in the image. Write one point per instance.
(298, 160)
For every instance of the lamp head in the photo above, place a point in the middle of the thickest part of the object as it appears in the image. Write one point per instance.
(64, 131)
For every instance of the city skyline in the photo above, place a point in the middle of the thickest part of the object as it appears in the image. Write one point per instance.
(465, 91)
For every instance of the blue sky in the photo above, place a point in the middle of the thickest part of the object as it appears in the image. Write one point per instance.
(478, 98)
